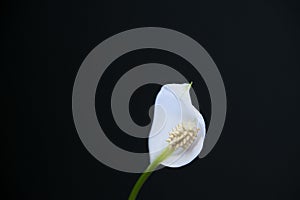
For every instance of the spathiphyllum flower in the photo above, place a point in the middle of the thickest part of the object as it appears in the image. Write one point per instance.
(177, 132)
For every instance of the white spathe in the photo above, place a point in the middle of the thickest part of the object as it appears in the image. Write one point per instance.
(173, 106)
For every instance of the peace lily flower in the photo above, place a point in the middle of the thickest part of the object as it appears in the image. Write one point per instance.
(177, 133)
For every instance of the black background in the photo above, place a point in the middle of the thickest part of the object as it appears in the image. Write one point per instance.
(255, 45)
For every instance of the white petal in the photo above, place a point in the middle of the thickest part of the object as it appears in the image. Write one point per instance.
(167, 108)
(173, 106)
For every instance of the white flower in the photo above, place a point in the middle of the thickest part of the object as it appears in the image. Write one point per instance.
(177, 131)
(177, 124)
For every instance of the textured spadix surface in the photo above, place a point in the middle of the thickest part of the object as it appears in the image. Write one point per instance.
(173, 107)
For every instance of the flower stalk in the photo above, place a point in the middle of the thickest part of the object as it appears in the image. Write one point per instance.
(138, 185)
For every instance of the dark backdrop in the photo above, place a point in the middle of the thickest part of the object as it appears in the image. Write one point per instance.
(255, 45)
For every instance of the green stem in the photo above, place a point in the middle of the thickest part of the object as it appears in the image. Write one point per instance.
(138, 185)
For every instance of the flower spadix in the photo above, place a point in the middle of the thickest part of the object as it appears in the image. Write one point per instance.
(177, 124)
